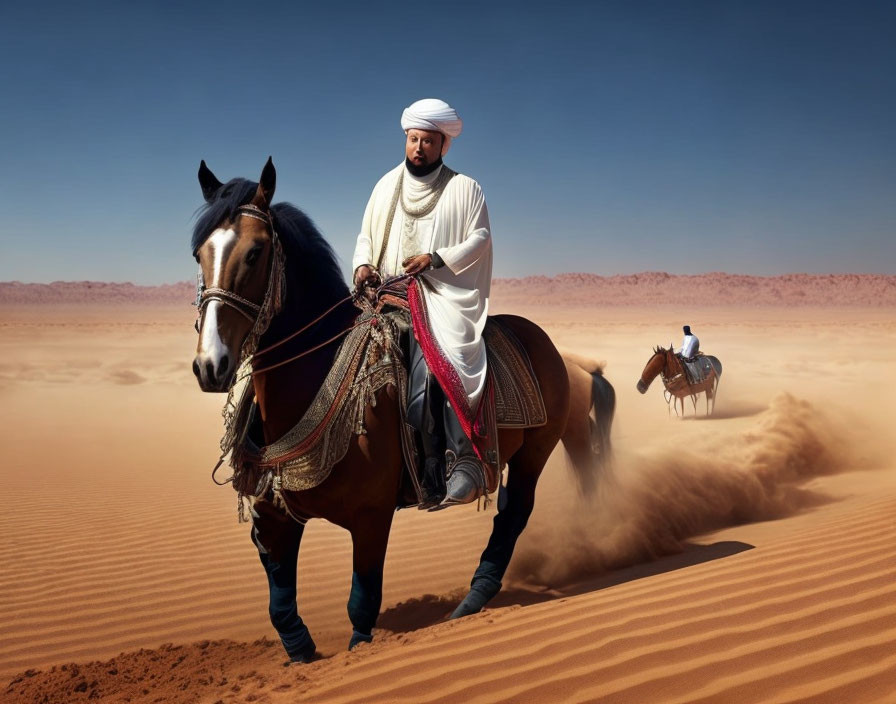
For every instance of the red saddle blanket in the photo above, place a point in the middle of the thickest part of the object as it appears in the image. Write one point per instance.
(512, 396)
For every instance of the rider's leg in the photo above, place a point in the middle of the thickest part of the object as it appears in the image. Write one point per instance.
(466, 474)
(425, 415)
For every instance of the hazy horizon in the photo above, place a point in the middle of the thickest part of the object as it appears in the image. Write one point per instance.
(609, 137)
(190, 281)
(191, 276)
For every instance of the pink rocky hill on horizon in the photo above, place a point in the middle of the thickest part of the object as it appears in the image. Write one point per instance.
(647, 288)
(716, 288)
(88, 292)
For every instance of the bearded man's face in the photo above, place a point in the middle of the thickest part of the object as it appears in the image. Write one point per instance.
(423, 147)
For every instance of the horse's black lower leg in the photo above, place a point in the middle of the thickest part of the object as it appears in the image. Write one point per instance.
(364, 605)
(280, 562)
(508, 525)
(366, 597)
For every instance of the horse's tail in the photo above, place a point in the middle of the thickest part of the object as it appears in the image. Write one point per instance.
(587, 434)
(603, 406)
(716, 364)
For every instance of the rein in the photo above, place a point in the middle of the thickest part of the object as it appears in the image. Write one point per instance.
(335, 337)
(305, 327)
(252, 311)
(350, 297)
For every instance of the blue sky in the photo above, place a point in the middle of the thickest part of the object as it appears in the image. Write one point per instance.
(609, 137)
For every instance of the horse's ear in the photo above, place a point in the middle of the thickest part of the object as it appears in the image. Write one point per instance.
(207, 181)
(266, 184)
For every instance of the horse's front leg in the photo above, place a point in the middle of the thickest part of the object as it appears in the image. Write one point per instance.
(369, 540)
(277, 538)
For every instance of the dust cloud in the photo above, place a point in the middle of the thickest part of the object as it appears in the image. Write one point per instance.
(660, 496)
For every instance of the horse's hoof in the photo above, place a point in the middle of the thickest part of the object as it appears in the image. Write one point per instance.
(472, 604)
(465, 608)
(358, 638)
(302, 659)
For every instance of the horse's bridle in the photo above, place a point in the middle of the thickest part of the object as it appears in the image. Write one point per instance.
(255, 313)
(669, 355)
(244, 306)
(642, 385)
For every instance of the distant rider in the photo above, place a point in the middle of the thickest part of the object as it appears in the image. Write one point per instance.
(690, 345)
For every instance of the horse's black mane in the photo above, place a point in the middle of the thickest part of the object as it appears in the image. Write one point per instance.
(228, 198)
(310, 260)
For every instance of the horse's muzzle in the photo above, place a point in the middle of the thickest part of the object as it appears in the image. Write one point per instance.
(642, 387)
(213, 375)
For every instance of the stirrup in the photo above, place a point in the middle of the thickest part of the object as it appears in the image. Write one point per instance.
(428, 504)
(465, 483)
(431, 497)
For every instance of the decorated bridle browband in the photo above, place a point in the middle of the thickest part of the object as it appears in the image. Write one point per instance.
(244, 306)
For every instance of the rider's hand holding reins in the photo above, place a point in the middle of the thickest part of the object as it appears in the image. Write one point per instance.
(367, 279)
(366, 275)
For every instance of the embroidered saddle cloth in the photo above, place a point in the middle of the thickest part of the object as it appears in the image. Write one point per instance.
(518, 400)
(369, 359)
(697, 368)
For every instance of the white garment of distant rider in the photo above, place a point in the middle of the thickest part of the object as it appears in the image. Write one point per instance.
(690, 345)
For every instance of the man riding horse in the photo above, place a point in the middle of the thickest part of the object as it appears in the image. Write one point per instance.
(690, 345)
(318, 430)
(424, 218)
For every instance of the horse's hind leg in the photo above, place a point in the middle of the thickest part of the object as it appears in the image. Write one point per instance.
(277, 538)
(525, 468)
(369, 543)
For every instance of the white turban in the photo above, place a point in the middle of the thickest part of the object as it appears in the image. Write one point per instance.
(434, 115)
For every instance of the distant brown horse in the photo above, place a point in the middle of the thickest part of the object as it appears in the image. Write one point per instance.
(668, 364)
(240, 240)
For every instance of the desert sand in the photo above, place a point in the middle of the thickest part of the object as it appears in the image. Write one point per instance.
(746, 557)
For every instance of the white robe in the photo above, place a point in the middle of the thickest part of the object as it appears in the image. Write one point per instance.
(689, 346)
(457, 294)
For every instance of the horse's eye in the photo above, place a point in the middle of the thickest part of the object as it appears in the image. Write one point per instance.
(252, 256)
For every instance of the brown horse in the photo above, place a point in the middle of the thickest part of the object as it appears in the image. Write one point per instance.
(240, 241)
(668, 364)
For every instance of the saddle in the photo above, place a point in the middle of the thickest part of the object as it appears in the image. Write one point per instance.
(518, 400)
(370, 358)
(696, 369)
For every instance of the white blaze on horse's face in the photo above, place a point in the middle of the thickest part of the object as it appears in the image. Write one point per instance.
(211, 348)
(221, 242)
(215, 355)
